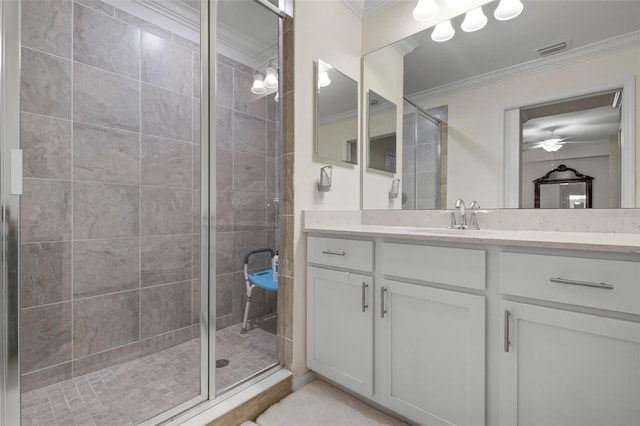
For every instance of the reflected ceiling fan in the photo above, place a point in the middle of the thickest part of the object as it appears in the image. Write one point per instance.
(551, 144)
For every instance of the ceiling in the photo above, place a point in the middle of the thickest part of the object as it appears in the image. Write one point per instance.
(502, 44)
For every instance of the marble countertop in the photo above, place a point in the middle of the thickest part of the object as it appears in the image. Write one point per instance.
(592, 241)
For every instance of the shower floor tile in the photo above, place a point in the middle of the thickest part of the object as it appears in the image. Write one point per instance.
(134, 391)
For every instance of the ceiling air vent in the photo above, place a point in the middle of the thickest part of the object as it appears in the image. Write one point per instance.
(554, 48)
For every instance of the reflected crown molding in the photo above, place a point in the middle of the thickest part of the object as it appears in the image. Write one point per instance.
(176, 10)
(337, 118)
(237, 46)
(406, 45)
(608, 46)
(364, 8)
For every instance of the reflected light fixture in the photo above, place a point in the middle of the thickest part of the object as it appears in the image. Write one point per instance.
(508, 9)
(551, 145)
(258, 87)
(456, 4)
(474, 20)
(271, 79)
(425, 10)
(323, 79)
(443, 31)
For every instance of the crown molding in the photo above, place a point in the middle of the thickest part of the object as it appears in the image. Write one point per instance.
(623, 42)
(406, 46)
(176, 10)
(243, 49)
(356, 6)
(336, 118)
(374, 6)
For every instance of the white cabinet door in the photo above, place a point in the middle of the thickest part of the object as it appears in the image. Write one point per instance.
(565, 368)
(340, 327)
(432, 354)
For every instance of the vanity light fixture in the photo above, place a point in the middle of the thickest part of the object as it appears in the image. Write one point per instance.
(508, 9)
(323, 79)
(443, 31)
(425, 10)
(258, 87)
(271, 79)
(474, 20)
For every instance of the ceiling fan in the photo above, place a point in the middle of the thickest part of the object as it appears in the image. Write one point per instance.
(551, 144)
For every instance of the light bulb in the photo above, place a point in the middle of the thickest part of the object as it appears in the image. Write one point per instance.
(551, 145)
(271, 79)
(456, 4)
(258, 85)
(277, 97)
(474, 20)
(508, 9)
(425, 10)
(443, 31)
(323, 79)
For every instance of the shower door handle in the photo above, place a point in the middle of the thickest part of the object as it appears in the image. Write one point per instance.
(364, 296)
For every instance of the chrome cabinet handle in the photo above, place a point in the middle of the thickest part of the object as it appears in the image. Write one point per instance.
(364, 296)
(383, 311)
(603, 286)
(334, 253)
(507, 315)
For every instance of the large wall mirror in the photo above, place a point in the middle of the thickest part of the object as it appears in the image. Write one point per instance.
(381, 133)
(488, 112)
(336, 115)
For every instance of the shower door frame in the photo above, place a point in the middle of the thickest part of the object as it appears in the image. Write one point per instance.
(10, 67)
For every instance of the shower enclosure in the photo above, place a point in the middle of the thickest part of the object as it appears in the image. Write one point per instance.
(129, 201)
(424, 157)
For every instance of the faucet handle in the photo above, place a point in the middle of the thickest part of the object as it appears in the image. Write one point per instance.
(452, 220)
(474, 205)
(473, 222)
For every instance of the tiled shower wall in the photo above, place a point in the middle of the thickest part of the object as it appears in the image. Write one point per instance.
(110, 211)
(247, 146)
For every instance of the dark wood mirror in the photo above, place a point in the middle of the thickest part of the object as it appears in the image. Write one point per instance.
(563, 188)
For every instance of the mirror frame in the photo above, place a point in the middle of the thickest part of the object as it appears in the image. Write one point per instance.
(579, 178)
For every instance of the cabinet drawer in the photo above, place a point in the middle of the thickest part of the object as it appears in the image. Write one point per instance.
(444, 265)
(351, 254)
(596, 283)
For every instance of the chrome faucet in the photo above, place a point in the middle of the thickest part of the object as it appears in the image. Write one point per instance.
(473, 222)
(462, 220)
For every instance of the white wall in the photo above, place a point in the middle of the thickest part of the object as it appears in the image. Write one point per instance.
(384, 74)
(325, 30)
(475, 118)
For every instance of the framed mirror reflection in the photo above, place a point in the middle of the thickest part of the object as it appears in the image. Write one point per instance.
(336, 115)
(502, 91)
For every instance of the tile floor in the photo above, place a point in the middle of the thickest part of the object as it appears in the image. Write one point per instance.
(137, 390)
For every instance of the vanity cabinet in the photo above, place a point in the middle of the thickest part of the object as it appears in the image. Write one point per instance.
(340, 311)
(431, 354)
(565, 368)
(560, 367)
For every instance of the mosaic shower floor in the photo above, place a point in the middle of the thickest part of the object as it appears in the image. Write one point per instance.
(134, 391)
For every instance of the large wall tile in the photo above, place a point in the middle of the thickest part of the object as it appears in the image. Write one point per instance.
(98, 5)
(46, 210)
(165, 114)
(250, 134)
(197, 208)
(45, 84)
(166, 211)
(105, 210)
(166, 162)
(165, 308)
(197, 252)
(224, 170)
(224, 211)
(224, 128)
(196, 121)
(142, 24)
(224, 253)
(224, 86)
(164, 341)
(45, 377)
(166, 64)
(105, 322)
(45, 273)
(250, 209)
(46, 142)
(45, 334)
(224, 294)
(196, 301)
(197, 75)
(166, 259)
(105, 99)
(249, 172)
(243, 99)
(102, 154)
(105, 359)
(246, 241)
(46, 26)
(105, 266)
(197, 166)
(105, 42)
